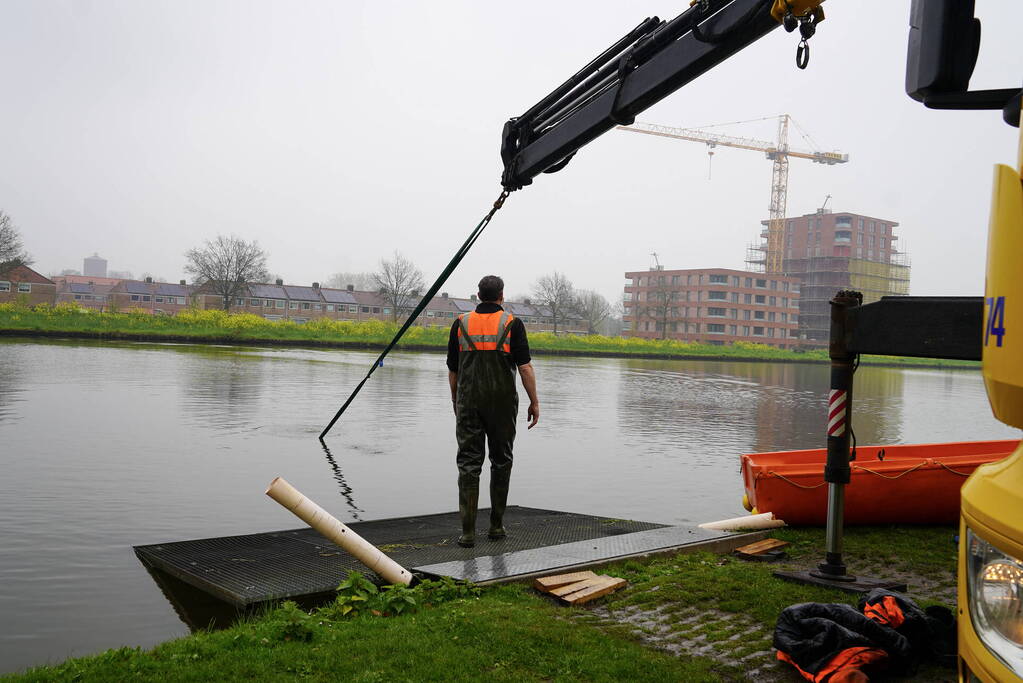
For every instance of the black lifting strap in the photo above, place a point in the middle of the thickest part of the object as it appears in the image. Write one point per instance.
(450, 268)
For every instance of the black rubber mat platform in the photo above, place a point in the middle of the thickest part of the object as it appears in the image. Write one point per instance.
(245, 570)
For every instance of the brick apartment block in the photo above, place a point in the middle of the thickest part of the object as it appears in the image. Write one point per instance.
(712, 306)
(831, 251)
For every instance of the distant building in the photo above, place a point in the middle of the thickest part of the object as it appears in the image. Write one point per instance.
(712, 306)
(158, 298)
(302, 304)
(94, 266)
(21, 284)
(276, 301)
(83, 279)
(85, 292)
(832, 251)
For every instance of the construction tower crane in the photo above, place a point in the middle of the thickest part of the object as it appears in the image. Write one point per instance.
(778, 152)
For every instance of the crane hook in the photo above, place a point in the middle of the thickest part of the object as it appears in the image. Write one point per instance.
(807, 27)
(807, 23)
(803, 54)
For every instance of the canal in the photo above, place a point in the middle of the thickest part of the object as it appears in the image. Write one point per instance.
(105, 446)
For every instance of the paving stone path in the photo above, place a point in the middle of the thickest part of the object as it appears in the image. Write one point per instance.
(737, 641)
(728, 638)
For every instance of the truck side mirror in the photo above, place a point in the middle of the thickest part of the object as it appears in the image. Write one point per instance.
(944, 41)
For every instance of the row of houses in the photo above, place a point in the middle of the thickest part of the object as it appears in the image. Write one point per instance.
(301, 304)
(277, 301)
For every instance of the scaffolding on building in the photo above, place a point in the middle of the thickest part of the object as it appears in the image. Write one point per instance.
(821, 277)
(777, 151)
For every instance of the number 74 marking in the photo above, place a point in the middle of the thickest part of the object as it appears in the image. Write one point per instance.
(995, 319)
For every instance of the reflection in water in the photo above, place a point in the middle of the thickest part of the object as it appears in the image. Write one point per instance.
(12, 375)
(727, 408)
(200, 611)
(346, 490)
(877, 406)
(223, 390)
(197, 609)
(796, 416)
(789, 396)
(750, 407)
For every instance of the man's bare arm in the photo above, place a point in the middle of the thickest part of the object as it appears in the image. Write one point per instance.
(529, 384)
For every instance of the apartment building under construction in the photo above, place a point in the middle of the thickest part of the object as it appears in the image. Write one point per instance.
(831, 251)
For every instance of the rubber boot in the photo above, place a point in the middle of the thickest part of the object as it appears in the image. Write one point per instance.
(468, 499)
(499, 482)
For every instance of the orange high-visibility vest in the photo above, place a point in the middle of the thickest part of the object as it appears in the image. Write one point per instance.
(485, 331)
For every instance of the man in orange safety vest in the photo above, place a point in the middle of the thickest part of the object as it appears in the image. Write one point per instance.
(485, 350)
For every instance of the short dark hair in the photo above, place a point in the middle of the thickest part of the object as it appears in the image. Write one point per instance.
(491, 288)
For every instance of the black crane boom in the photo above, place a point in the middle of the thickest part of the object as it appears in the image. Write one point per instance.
(651, 62)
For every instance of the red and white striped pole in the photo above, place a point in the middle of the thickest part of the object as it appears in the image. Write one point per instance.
(837, 401)
(836, 469)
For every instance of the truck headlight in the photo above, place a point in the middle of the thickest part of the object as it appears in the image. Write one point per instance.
(995, 589)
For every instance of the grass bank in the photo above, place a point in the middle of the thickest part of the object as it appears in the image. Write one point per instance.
(244, 328)
(692, 617)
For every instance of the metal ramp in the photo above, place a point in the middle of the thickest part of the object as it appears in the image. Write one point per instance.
(301, 564)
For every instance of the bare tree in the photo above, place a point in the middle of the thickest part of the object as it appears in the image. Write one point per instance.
(360, 281)
(399, 283)
(614, 324)
(661, 306)
(593, 308)
(556, 293)
(12, 251)
(225, 265)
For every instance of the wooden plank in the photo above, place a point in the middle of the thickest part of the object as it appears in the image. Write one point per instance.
(546, 583)
(608, 585)
(760, 547)
(562, 591)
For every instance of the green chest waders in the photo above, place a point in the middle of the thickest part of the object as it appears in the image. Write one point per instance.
(486, 408)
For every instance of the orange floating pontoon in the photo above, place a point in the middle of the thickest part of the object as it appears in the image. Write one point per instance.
(913, 484)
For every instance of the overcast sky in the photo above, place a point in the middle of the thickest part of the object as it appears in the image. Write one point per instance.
(335, 133)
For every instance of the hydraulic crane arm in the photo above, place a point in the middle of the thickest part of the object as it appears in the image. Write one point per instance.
(651, 62)
(657, 58)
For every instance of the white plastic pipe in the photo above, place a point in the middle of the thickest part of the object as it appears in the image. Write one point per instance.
(761, 521)
(328, 525)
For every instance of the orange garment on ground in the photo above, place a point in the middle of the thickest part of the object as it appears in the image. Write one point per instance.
(842, 666)
(886, 611)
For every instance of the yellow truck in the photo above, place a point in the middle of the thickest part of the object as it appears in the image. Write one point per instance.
(991, 522)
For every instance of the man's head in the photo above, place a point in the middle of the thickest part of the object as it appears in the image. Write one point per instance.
(491, 289)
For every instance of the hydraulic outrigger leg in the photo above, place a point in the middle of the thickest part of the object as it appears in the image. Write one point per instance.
(832, 571)
(836, 470)
(912, 326)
